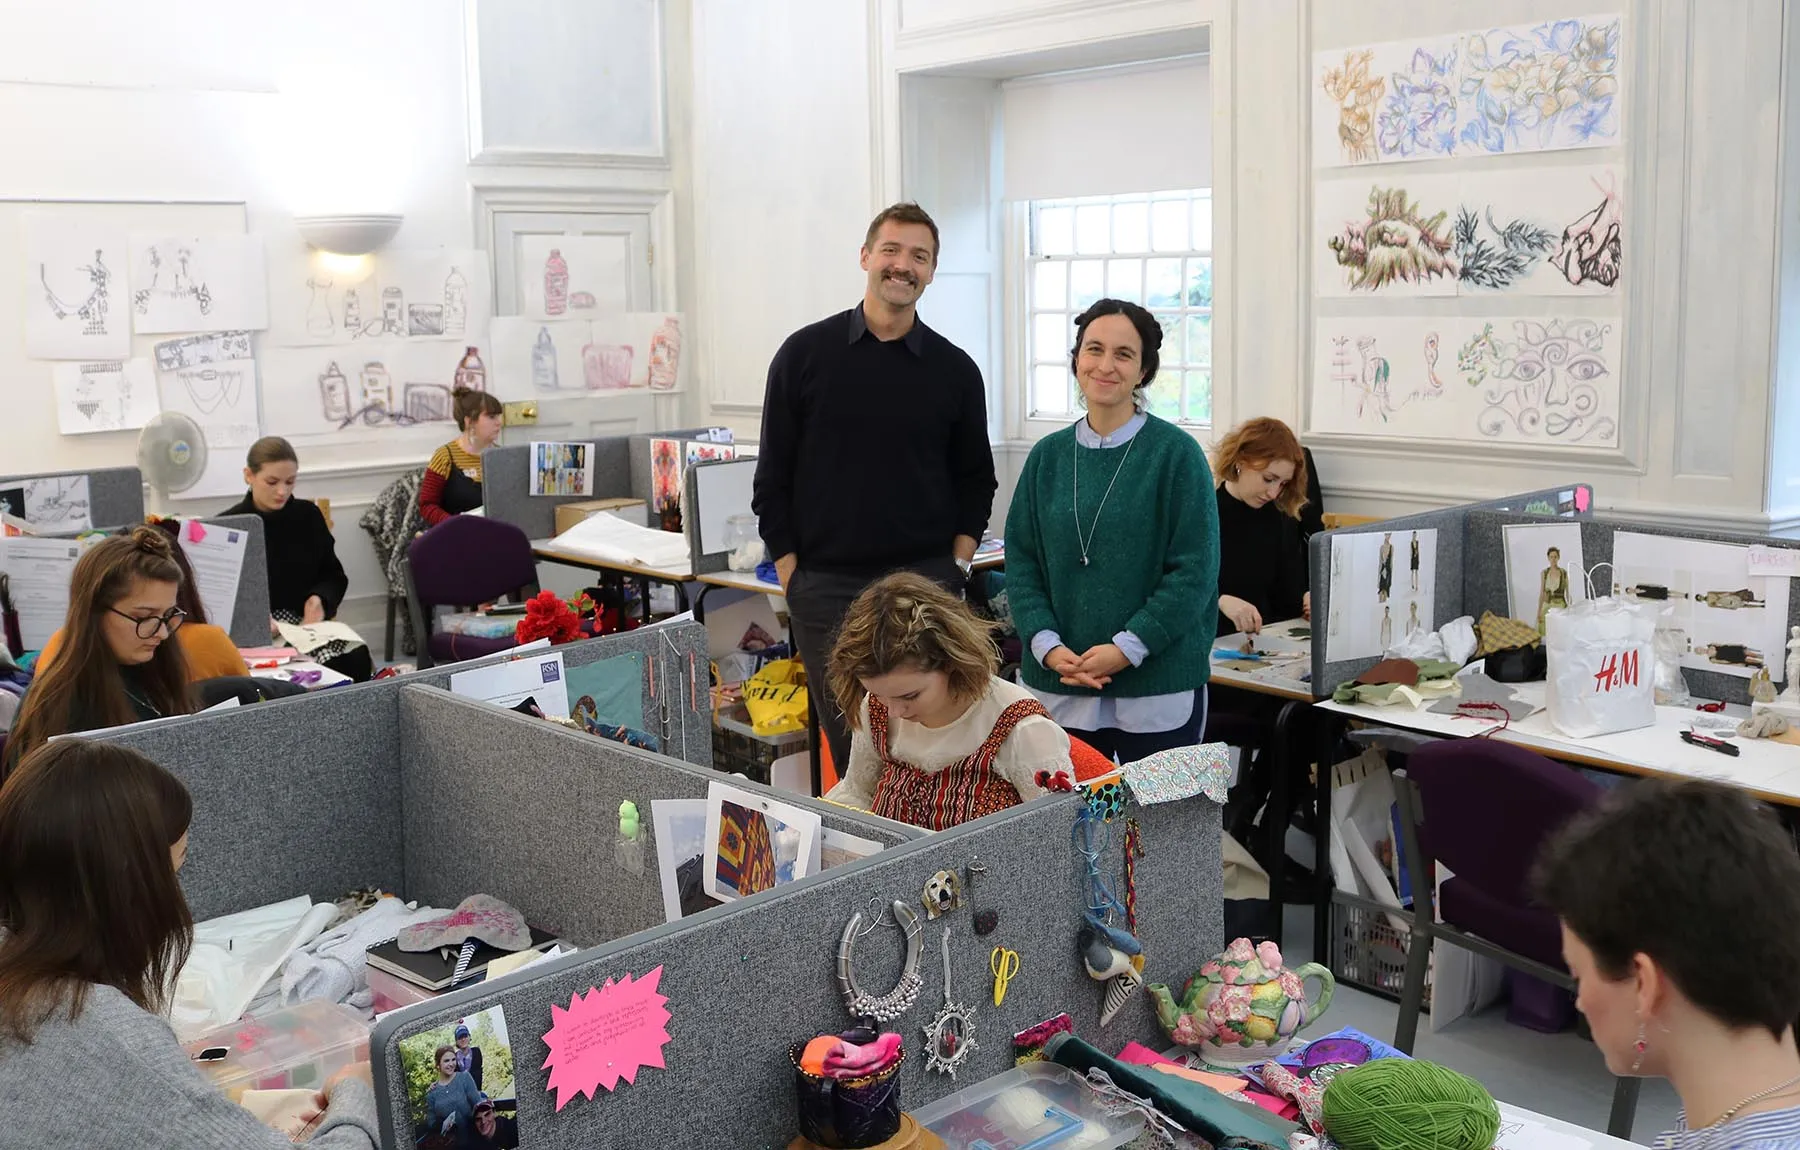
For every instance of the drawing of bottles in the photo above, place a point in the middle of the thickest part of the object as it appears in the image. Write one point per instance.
(393, 311)
(543, 362)
(556, 284)
(353, 311)
(334, 394)
(470, 373)
(318, 308)
(606, 367)
(665, 355)
(456, 302)
(377, 387)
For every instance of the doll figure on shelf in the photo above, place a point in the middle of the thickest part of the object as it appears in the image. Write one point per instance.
(1761, 689)
(1790, 690)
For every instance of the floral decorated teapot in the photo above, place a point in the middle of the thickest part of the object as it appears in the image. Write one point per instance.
(1243, 1008)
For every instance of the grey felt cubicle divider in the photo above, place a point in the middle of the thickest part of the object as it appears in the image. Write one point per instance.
(1452, 556)
(694, 494)
(1485, 581)
(506, 484)
(303, 795)
(744, 981)
(115, 494)
(528, 811)
(250, 614)
(296, 797)
(677, 657)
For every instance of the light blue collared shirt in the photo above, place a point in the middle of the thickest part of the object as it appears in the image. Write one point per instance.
(1149, 714)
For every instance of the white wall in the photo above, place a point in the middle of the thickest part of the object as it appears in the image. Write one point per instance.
(293, 109)
(782, 184)
(1704, 158)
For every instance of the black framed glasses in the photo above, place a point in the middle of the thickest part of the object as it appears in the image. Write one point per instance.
(149, 625)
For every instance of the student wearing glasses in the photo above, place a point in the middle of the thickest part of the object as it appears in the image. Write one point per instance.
(115, 664)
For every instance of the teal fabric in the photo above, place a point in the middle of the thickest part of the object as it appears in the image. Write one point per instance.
(1198, 1107)
(616, 686)
(1153, 556)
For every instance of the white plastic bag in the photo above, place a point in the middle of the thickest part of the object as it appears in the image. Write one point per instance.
(1601, 660)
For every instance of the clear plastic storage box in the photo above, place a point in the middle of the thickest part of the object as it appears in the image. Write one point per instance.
(1038, 1106)
(298, 1047)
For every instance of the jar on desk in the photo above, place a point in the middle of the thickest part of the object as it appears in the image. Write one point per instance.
(746, 543)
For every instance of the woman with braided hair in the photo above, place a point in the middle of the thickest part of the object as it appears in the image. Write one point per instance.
(937, 738)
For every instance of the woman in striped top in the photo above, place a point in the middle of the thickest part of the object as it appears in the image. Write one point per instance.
(1679, 903)
(452, 483)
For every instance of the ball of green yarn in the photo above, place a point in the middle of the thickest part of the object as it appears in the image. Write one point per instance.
(1403, 1104)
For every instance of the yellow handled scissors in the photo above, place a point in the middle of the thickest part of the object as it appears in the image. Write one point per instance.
(1005, 964)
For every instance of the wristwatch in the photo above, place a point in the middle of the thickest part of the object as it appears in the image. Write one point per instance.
(967, 567)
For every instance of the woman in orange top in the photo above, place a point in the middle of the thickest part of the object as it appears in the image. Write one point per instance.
(207, 650)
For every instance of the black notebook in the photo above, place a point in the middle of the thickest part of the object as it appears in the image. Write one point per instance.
(431, 970)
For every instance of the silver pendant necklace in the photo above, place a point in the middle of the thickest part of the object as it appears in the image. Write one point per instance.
(1085, 541)
(1711, 1128)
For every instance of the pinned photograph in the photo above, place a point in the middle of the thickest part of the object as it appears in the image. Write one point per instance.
(562, 468)
(754, 843)
(460, 1089)
(1544, 569)
(680, 831)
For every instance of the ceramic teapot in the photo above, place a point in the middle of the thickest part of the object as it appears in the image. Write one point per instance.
(1243, 1007)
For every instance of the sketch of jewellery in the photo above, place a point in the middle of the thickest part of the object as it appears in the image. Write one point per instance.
(181, 285)
(1543, 381)
(211, 388)
(91, 311)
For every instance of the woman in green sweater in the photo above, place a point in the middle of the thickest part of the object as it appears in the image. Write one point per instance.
(1117, 601)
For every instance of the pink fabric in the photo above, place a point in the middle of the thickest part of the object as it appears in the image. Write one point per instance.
(1141, 1055)
(849, 1060)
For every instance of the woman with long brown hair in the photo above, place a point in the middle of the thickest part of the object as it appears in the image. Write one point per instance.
(937, 738)
(115, 665)
(93, 932)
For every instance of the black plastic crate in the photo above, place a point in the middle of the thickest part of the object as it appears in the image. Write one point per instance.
(1369, 945)
(739, 750)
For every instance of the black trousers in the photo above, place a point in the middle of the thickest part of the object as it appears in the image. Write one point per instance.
(817, 602)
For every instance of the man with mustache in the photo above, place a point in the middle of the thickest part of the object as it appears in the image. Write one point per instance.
(874, 453)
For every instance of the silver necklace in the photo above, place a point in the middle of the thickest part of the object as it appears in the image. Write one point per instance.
(1084, 541)
(897, 1001)
(1713, 1126)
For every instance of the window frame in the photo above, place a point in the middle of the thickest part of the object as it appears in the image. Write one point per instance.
(1026, 258)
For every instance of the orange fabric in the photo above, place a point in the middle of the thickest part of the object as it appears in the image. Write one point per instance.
(812, 1059)
(1089, 763)
(209, 652)
(828, 776)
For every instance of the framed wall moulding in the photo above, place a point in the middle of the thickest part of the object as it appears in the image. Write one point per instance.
(566, 83)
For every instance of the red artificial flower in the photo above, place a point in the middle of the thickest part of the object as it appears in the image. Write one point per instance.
(548, 617)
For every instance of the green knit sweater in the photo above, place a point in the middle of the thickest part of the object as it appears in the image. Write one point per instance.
(1153, 558)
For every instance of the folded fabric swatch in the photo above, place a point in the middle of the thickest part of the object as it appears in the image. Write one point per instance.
(848, 1060)
(480, 916)
(1181, 773)
(1499, 633)
(812, 1059)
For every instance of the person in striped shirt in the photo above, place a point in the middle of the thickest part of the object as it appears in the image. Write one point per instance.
(452, 483)
(1679, 902)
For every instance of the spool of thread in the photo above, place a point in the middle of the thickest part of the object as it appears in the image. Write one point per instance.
(1404, 1104)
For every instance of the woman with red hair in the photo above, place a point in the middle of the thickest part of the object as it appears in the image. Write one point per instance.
(1261, 470)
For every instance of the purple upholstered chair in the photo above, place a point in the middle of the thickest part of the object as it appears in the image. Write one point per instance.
(1484, 809)
(462, 562)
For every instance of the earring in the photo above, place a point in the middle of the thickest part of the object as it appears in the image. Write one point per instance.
(1641, 1045)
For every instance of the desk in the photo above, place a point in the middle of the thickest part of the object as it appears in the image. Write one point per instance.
(1522, 1129)
(1768, 770)
(1277, 679)
(677, 577)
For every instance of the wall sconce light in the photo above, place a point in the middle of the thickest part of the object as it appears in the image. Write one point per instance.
(348, 235)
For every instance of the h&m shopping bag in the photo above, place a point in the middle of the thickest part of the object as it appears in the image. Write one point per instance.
(776, 698)
(1601, 667)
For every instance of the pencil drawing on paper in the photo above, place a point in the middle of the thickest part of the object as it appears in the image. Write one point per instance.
(104, 395)
(57, 499)
(91, 311)
(198, 350)
(1547, 381)
(543, 362)
(1500, 255)
(370, 400)
(1418, 118)
(665, 355)
(212, 386)
(1590, 249)
(606, 367)
(1393, 241)
(1555, 85)
(1369, 377)
(1354, 91)
(181, 285)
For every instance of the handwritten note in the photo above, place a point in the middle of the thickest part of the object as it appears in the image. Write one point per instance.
(1774, 561)
(606, 1035)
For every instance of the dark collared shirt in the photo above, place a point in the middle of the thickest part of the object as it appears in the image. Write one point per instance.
(874, 454)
